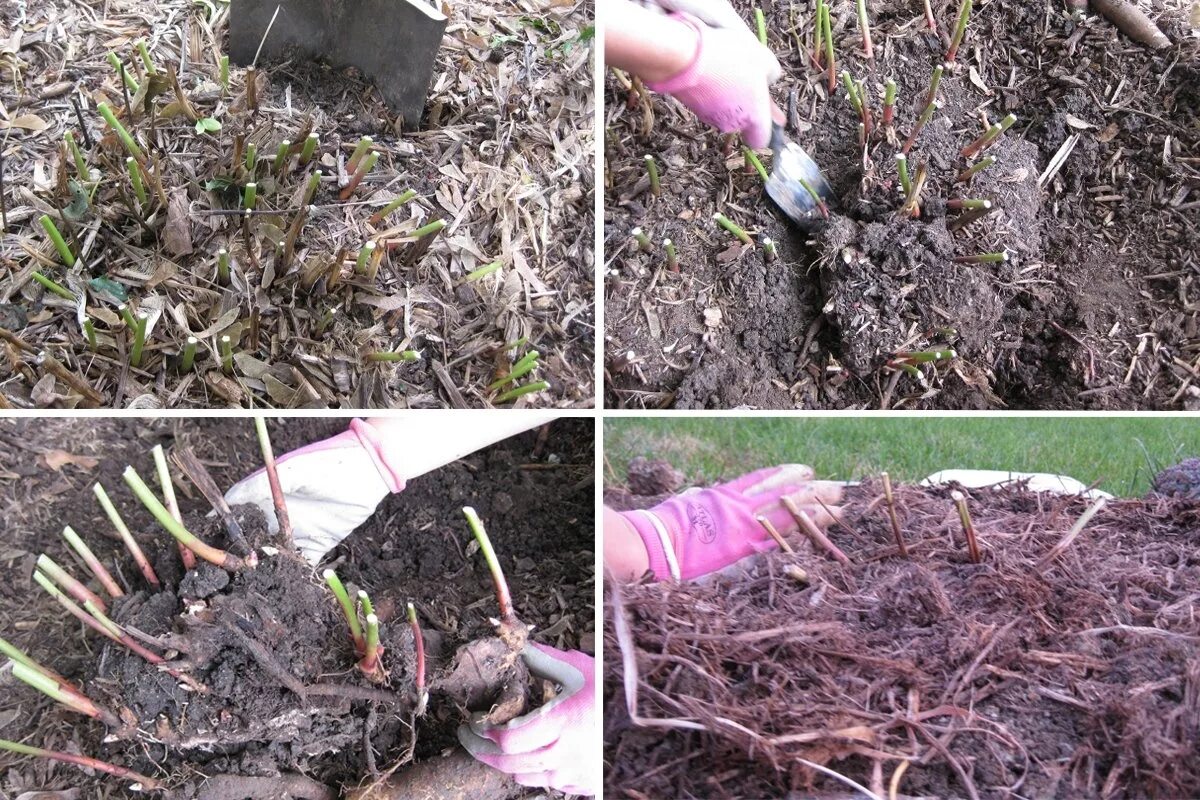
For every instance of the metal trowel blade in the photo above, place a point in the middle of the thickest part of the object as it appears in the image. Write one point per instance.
(791, 164)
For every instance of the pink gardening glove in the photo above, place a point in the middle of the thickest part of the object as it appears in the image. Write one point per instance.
(726, 83)
(552, 745)
(703, 531)
(331, 486)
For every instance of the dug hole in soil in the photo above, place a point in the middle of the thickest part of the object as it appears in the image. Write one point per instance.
(1096, 306)
(503, 156)
(1028, 675)
(286, 713)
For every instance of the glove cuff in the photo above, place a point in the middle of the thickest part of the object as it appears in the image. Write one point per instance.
(384, 458)
(657, 541)
(691, 73)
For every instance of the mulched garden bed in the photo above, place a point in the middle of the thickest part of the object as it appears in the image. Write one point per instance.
(1095, 308)
(285, 712)
(503, 157)
(1028, 675)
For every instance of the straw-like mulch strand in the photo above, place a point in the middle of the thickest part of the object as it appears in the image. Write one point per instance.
(504, 158)
(926, 676)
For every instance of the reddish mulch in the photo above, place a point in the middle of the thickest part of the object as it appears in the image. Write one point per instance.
(1004, 679)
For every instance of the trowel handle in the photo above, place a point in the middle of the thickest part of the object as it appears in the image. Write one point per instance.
(777, 139)
(778, 120)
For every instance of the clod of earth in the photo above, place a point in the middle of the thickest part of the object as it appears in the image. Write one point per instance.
(1181, 480)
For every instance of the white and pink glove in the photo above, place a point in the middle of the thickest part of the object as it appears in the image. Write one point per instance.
(726, 85)
(333, 486)
(703, 531)
(552, 745)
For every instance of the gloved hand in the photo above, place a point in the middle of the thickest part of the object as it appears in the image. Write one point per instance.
(331, 486)
(703, 531)
(552, 745)
(726, 83)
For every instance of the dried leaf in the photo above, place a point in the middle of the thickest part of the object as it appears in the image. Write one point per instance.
(249, 366)
(1109, 133)
(7, 717)
(177, 235)
(973, 74)
(164, 269)
(730, 254)
(145, 402)
(29, 122)
(227, 388)
(281, 394)
(1076, 122)
(393, 302)
(57, 459)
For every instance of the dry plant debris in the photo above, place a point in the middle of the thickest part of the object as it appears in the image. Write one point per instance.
(928, 676)
(158, 251)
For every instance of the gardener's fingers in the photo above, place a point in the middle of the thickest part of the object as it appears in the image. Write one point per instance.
(783, 521)
(823, 516)
(572, 672)
(553, 778)
(815, 493)
(331, 488)
(541, 760)
(713, 13)
(530, 733)
(566, 668)
(756, 130)
(764, 480)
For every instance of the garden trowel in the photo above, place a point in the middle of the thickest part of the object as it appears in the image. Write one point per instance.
(790, 165)
(393, 42)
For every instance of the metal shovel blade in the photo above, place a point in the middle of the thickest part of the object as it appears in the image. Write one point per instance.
(394, 43)
(791, 164)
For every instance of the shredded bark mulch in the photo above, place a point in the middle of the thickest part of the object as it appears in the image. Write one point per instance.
(1037, 673)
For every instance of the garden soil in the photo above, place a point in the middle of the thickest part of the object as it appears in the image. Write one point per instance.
(1096, 306)
(1040, 672)
(285, 713)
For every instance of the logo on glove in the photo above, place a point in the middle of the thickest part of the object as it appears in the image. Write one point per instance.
(702, 523)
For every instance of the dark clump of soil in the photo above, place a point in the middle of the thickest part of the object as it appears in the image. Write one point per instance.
(1078, 676)
(1094, 307)
(282, 709)
(253, 639)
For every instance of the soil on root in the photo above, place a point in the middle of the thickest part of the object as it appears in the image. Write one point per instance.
(1078, 678)
(285, 706)
(302, 319)
(1094, 308)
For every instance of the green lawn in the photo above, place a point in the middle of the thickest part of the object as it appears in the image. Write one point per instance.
(1105, 449)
